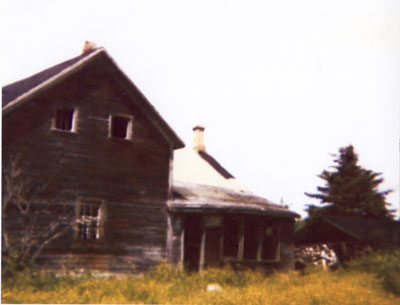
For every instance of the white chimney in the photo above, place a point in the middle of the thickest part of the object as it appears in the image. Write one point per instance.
(88, 46)
(198, 138)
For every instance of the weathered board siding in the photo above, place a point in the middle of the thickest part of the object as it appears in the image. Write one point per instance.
(130, 177)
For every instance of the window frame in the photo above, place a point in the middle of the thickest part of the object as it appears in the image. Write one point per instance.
(89, 222)
(73, 123)
(129, 127)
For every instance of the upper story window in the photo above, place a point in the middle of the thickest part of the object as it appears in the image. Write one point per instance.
(121, 127)
(65, 119)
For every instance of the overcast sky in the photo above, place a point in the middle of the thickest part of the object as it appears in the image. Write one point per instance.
(279, 85)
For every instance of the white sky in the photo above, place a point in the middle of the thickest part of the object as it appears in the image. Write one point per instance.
(279, 85)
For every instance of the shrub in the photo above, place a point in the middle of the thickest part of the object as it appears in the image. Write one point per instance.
(385, 264)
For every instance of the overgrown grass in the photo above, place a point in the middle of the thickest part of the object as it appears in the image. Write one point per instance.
(165, 285)
(385, 264)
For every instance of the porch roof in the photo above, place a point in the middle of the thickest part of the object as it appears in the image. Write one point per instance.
(200, 198)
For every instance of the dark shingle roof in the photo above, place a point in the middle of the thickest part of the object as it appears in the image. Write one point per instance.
(364, 229)
(12, 91)
(215, 164)
(336, 228)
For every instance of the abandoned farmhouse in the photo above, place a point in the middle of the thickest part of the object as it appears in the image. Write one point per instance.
(92, 151)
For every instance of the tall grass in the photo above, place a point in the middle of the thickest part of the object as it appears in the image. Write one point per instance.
(165, 285)
(385, 264)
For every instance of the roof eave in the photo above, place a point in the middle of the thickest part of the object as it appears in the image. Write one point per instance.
(240, 209)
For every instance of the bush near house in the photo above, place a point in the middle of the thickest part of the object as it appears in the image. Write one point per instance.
(165, 285)
(383, 263)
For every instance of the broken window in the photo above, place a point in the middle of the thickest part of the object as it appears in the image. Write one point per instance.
(270, 241)
(88, 222)
(121, 127)
(231, 237)
(64, 119)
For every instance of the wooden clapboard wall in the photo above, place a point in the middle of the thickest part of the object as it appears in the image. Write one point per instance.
(129, 177)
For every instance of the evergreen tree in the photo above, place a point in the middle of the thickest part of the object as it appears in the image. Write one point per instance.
(350, 190)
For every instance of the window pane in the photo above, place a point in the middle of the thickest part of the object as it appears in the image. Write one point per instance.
(94, 211)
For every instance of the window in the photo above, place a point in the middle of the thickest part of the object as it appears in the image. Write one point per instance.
(120, 127)
(88, 223)
(64, 119)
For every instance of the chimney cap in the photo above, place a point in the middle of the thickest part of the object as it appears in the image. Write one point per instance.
(198, 138)
(198, 127)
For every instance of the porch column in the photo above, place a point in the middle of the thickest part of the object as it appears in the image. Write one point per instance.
(202, 250)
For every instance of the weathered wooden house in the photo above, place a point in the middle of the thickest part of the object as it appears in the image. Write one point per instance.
(87, 140)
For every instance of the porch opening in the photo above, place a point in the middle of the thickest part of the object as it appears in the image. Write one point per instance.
(192, 242)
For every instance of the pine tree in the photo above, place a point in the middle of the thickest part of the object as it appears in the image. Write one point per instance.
(350, 190)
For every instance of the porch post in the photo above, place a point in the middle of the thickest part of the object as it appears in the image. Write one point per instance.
(202, 250)
(241, 240)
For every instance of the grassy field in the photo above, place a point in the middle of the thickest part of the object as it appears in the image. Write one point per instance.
(164, 285)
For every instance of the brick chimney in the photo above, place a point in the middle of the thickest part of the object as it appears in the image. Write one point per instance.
(198, 138)
(88, 46)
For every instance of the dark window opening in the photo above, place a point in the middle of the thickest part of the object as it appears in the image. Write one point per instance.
(270, 242)
(119, 127)
(64, 119)
(88, 222)
(231, 237)
(250, 239)
(192, 242)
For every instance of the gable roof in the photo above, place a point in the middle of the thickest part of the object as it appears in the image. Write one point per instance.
(17, 93)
